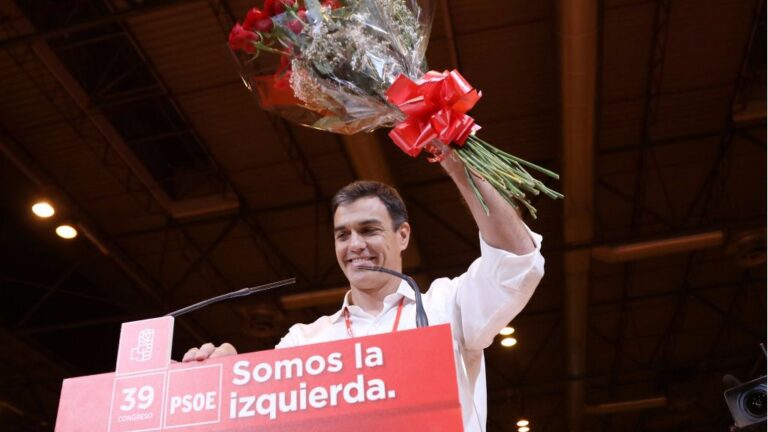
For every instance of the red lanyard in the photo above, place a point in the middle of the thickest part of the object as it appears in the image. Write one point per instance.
(348, 320)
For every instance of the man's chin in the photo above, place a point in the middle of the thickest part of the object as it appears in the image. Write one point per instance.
(365, 279)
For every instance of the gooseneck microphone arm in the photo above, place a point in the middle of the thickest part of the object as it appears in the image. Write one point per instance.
(421, 315)
(239, 293)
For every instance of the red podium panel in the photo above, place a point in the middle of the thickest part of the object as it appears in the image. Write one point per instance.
(396, 381)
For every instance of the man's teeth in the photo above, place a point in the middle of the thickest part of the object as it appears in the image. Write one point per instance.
(363, 261)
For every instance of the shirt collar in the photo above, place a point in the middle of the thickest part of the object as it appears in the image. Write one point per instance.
(403, 290)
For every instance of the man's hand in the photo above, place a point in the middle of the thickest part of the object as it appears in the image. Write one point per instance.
(502, 227)
(209, 351)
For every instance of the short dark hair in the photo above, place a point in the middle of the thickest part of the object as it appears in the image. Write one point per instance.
(366, 188)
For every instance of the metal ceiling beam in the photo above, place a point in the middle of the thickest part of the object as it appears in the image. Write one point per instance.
(469, 241)
(680, 139)
(752, 112)
(367, 158)
(329, 296)
(646, 163)
(64, 326)
(203, 255)
(751, 73)
(630, 379)
(178, 209)
(194, 207)
(577, 25)
(708, 191)
(453, 52)
(26, 284)
(653, 248)
(734, 312)
(626, 406)
(629, 199)
(38, 376)
(207, 205)
(41, 179)
(31, 36)
(49, 292)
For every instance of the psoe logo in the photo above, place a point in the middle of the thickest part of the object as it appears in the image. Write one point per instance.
(143, 350)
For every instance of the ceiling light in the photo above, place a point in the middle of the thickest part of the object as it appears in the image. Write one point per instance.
(523, 429)
(522, 422)
(43, 209)
(66, 231)
(508, 341)
(506, 331)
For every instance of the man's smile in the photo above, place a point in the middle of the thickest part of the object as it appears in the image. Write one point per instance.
(358, 261)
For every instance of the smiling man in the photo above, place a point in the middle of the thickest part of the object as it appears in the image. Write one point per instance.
(371, 229)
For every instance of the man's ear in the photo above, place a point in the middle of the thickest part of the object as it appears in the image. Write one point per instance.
(404, 235)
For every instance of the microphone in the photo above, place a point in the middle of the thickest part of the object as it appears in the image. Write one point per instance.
(421, 315)
(239, 293)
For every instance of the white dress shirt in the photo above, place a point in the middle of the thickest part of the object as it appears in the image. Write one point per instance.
(477, 305)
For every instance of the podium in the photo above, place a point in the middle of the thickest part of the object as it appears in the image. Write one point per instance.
(404, 380)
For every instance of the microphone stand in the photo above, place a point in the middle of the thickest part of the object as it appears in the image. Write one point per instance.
(421, 315)
(239, 293)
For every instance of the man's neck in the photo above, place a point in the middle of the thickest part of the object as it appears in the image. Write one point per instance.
(372, 301)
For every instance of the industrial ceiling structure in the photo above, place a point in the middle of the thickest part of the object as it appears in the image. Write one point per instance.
(131, 118)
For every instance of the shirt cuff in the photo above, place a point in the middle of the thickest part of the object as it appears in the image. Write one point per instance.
(490, 251)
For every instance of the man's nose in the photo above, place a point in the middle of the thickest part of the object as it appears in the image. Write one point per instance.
(356, 242)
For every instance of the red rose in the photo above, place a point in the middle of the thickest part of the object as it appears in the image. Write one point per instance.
(333, 4)
(253, 17)
(242, 39)
(295, 26)
(269, 7)
(276, 7)
(281, 5)
(264, 25)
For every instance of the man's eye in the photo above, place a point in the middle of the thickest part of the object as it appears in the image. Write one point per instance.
(341, 235)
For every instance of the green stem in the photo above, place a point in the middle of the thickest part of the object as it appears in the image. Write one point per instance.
(479, 169)
(475, 190)
(538, 186)
(504, 172)
(505, 155)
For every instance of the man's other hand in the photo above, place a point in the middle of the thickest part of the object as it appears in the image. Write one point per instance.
(209, 351)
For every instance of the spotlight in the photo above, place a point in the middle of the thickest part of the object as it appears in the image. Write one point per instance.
(523, 429)
(506, 331)
(508, 341)
(66, 231)
(522, 422)
(43, 209)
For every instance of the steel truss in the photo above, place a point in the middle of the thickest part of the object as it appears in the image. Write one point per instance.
(198, 255)
(711, 189)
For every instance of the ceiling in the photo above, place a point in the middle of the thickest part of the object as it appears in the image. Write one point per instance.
(130, 116)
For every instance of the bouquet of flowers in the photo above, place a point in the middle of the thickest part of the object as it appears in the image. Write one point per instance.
(349, 66)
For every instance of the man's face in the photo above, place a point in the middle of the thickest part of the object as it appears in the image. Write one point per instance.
(363, 235)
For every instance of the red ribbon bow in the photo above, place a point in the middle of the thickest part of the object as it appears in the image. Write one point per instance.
(435, 109)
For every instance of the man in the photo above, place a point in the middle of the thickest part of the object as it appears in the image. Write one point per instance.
(371, 228)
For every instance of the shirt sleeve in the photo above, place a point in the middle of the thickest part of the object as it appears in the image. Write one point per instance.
(493, 291)
(290, 339)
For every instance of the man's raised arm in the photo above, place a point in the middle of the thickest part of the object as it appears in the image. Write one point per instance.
(503, 227)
